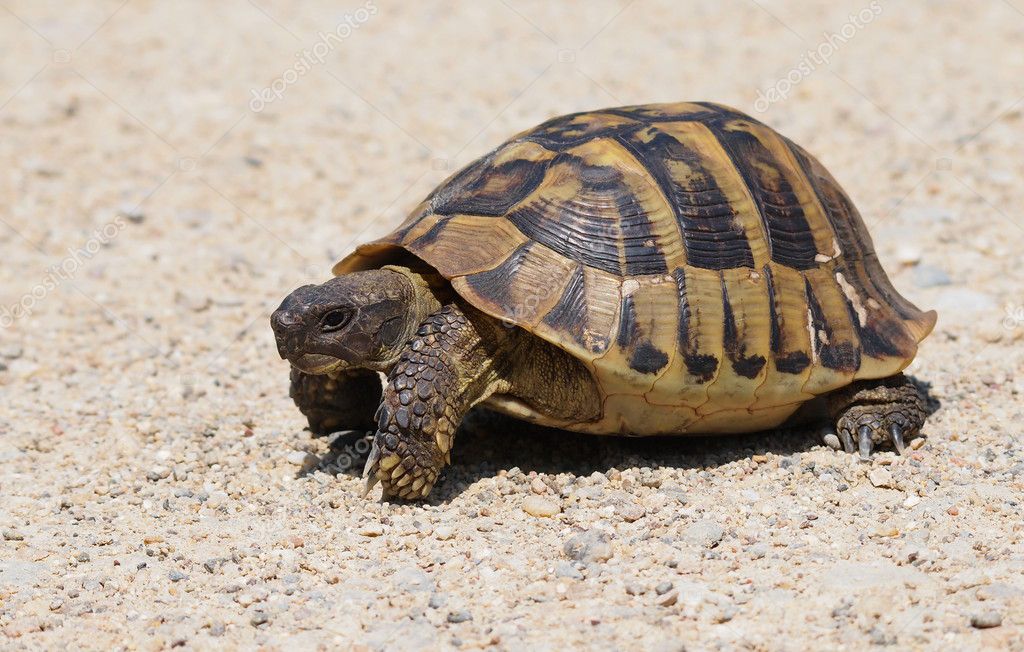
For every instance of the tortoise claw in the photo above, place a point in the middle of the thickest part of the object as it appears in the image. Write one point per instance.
(864, 442)
(844, 436)
(370, 470)
(896, 434)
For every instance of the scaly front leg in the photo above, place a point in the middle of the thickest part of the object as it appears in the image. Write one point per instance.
(445, 370)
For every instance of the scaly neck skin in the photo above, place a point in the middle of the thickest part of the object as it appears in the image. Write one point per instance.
(425, 301)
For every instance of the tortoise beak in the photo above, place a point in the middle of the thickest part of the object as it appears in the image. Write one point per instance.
(317, 364)
(288, 333)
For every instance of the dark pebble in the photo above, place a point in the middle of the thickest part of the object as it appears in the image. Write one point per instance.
(459, 616)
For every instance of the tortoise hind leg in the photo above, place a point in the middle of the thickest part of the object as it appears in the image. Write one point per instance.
(868, 413)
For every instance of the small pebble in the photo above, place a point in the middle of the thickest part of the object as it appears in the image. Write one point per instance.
(986, 620)
(444, 533)
(372, 529)
(630, 512)
(158, 473)
(540, 507)
(592, 546)
(668, 599)
(176, 576)
(881, 477)
(259, 618)
(908, 255)
(131, 212)
(460, 616)
(13, 535)
(565, 569)
(663, 588)
(297, 458)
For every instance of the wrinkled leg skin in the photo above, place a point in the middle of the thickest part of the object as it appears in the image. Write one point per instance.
(441, 374)
(868, 413)
(340, 401)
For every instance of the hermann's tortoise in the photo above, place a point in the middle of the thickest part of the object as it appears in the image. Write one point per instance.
(647, 270)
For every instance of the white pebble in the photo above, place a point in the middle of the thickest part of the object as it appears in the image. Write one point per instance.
(541, 507)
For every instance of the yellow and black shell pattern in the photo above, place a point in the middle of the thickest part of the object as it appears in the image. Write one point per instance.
(710, 273)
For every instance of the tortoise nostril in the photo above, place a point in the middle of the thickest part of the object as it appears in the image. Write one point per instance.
(282, 320)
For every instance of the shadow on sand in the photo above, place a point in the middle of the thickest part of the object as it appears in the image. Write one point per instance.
(488, 442)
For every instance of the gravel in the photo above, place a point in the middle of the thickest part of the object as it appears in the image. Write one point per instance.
(146, 432)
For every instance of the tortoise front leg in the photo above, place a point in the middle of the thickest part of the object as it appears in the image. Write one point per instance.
(340, 401)
(445, 370)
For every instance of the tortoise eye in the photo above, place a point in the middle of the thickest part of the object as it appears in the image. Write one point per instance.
(335, 320)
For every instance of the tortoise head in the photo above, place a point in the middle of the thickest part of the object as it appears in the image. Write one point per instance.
(357, 320)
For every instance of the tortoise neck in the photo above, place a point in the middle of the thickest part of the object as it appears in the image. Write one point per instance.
(428, 295)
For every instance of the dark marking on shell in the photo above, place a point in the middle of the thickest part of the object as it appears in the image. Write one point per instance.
(711, 235)
(742, 364)
(431, 236)
(793, 362)
(567, 131)
(702, 366)
(653, 115)
(640, 251)
(570, 314)
(878, 339)
(647, 358)
(790, 239)
(494, 284)
(841, 356)
(584, 228)
(486, 189)
(644, 357)
(629, 331)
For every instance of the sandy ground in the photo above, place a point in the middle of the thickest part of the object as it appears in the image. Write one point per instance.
(170, 170)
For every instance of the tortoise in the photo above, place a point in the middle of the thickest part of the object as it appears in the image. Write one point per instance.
(644, 270)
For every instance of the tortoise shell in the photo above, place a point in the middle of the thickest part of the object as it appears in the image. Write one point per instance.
(710, 273)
